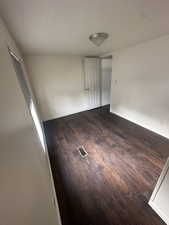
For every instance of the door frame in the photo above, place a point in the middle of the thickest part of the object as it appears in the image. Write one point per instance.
(155, 192)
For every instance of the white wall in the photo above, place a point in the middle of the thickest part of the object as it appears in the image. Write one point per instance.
(140, 85)
(58, 82)
(26, 190)
(106, 74)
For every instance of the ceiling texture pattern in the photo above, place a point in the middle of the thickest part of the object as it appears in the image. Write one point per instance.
(63, 26)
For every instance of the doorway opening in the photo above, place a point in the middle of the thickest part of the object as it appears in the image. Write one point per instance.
(106, 75)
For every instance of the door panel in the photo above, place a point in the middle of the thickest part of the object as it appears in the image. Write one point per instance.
(92, 81)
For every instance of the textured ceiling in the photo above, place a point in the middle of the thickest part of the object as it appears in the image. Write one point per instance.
(63, 26)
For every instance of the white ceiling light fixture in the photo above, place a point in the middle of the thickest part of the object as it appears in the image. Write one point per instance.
(98, 38)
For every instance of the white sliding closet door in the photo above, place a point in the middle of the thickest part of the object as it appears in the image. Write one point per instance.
(92, 81)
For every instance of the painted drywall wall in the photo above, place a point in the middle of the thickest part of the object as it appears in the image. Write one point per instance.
(26, 190)
(106, 74)
(140, 85)
(58, 83)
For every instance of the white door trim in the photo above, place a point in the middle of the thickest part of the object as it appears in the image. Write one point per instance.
(155, 192)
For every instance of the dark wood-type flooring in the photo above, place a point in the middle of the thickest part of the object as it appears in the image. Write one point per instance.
(113, 184)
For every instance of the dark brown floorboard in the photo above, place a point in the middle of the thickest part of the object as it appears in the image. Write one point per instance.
(113, 184)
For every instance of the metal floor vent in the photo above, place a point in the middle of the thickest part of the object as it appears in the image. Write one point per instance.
(82, 151)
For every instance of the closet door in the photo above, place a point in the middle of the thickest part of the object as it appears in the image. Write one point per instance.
(159, 200)
(92, 81)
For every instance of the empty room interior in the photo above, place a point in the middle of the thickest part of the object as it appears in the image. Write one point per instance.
(84, 116)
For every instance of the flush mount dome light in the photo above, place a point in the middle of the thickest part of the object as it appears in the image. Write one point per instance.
(98, 38)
